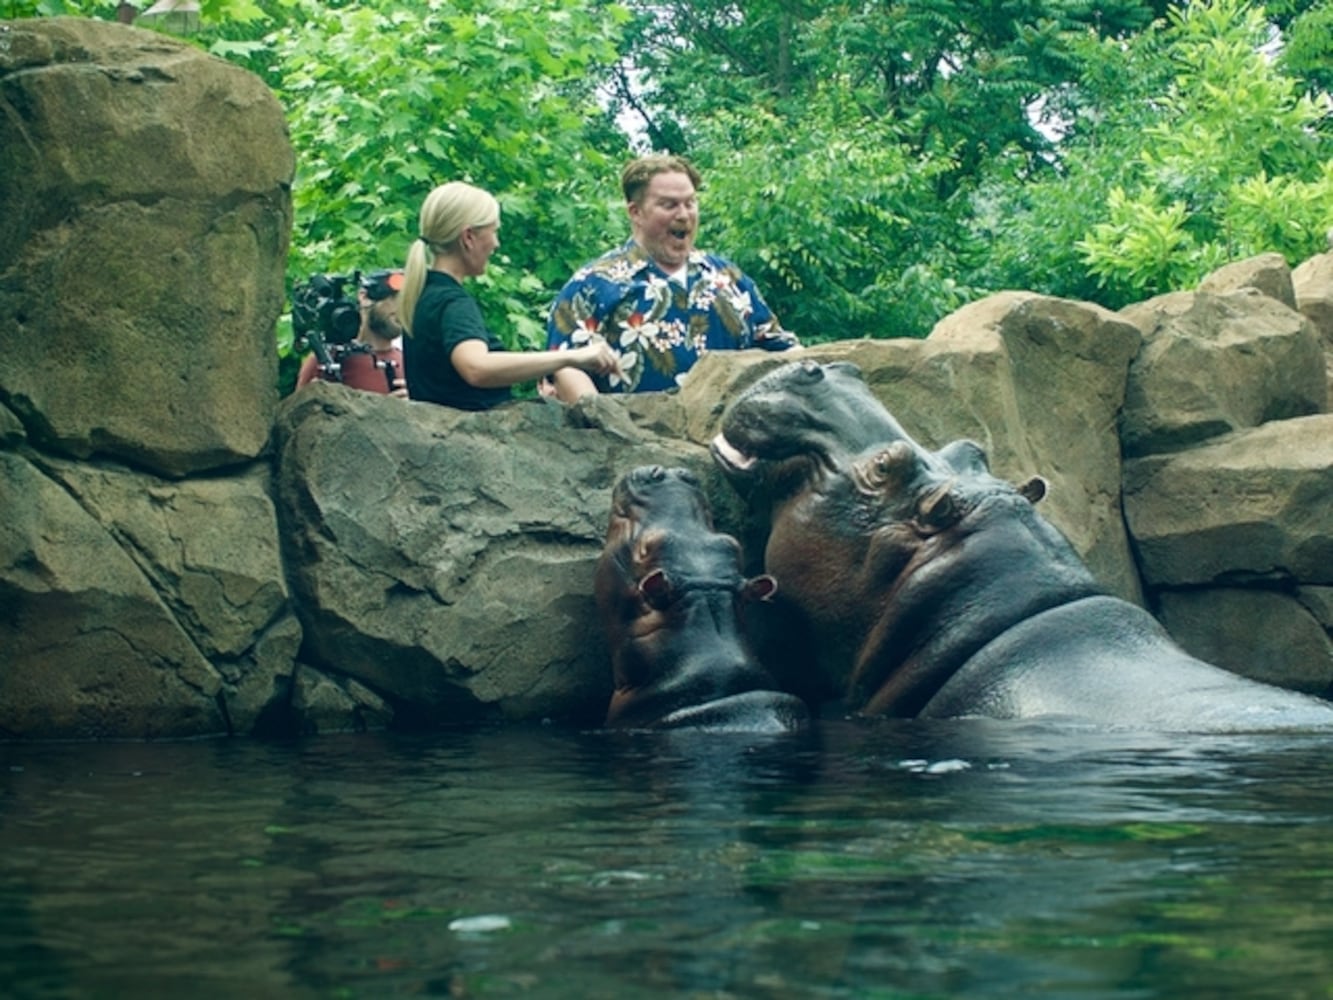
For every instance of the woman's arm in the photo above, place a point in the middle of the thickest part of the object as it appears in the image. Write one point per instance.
(483, 368)
(570, 384)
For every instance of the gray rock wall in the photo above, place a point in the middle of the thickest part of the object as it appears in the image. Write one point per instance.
(182, 554)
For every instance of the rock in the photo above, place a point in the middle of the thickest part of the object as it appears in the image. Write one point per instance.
(144, 220)
(1253, 505)
(1267, 274)
(323, 704)
(89, 648)
(445, 559)
(1319, 602)
(209, 545)
(1038, 381)
(1262, 634)
(1211, 364)
(1312, 283)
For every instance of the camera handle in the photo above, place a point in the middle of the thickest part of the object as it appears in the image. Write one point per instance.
(328, 364)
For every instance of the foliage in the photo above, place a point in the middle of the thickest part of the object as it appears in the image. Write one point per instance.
(958, 78)
(387, 100)
(1232, 166)
(872, 165)
(1195, 149)
(1307, 50)
(840, 227)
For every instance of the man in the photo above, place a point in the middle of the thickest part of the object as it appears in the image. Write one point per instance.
(658, 301)
(373, 361)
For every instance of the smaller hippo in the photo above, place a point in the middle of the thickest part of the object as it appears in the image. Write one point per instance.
(931, 588)
(670, 592)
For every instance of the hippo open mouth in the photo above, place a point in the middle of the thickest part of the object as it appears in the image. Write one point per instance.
(802, 415)
(730, 457)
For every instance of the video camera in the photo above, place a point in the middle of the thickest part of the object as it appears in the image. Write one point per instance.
(326, 316)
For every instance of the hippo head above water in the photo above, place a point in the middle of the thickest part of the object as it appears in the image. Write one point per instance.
(670, 593)
(800, 417)
(915, 582)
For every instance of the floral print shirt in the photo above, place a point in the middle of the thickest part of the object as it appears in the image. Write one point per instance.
(658, 327)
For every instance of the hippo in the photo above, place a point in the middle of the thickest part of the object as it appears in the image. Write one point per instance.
(931, 588)
(670, 592)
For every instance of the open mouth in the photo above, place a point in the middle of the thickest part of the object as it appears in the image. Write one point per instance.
(681, 234)
(731, 456)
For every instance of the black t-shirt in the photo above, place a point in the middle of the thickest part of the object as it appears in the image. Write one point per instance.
(446, 316)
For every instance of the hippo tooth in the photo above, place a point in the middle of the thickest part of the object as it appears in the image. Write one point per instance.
(730, 454)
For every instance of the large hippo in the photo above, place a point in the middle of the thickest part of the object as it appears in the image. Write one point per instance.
(670, 593)
(929, 587)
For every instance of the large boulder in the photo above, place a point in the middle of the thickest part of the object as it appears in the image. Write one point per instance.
(91, 648)
(1214, 363)
(1268, 635)
(144, 221)
(1251, 506)
(1039, 382)
(1312, 285)
(445, 559)
(1267, 274)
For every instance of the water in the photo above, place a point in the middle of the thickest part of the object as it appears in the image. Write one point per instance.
(886, 860)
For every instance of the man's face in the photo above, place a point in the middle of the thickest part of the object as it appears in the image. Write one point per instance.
(665, 219)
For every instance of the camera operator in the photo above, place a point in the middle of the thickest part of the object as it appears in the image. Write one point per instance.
(374, 357)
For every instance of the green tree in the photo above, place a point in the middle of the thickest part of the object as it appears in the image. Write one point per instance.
(1195, 148)
(1231, 166)
(843, 140)
(387, 100)
(832, 216)
(957, 77)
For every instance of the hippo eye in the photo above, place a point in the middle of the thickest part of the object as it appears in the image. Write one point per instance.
(893, 463)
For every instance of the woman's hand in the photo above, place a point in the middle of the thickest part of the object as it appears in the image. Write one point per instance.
(596, 357)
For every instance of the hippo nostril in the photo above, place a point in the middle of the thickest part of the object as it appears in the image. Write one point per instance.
(813, 369)
(938, 509)
(656, 473)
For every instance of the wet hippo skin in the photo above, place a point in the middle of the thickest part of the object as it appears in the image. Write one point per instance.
(670, 593)
(926, 586)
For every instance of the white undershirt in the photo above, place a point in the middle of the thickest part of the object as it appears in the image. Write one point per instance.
(680, 275)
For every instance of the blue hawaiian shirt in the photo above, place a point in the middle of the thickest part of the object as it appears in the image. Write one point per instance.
(658, 327)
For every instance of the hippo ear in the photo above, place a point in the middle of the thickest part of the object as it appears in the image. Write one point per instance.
(760, 588)
(965, 456)
(1033, 490)
(656, 589)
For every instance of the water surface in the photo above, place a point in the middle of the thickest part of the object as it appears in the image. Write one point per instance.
(894, 859)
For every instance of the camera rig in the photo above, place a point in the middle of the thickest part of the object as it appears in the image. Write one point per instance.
(326, 317)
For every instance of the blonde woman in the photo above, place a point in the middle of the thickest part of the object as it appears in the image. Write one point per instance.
(448, 354)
